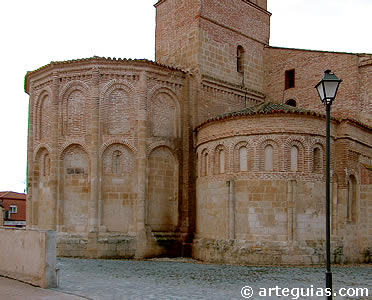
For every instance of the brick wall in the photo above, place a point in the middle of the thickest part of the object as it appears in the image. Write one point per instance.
(177, 32)
(365, 103)
(204, 35)
(21, 208)
(309, 68)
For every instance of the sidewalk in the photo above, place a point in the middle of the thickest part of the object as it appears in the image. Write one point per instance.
(15, 290)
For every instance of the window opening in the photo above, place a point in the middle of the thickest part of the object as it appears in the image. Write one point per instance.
(289, 79)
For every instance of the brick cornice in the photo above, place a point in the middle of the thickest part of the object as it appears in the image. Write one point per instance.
(94, 61)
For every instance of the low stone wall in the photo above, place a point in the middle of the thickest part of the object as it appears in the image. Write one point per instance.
(29, 255)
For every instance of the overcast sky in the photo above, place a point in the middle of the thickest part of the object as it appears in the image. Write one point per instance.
(36, 32)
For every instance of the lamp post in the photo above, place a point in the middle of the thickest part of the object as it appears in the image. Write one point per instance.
(327, 90)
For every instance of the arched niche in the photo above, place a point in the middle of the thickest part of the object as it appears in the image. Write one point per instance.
(76, 188)
(119, 187)
(162, 191)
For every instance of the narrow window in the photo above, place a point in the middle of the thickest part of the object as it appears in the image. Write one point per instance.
(291, 102)
(317, 166)
(289, 79)
(222, 161)
(351, 199)
(294, 159)
(116, 162)
(205, 164)
(46, 170)
(243, 166)
(268, 164)
(240, 59)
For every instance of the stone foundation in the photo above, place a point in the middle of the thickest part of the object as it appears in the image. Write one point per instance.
(267, 253)
(117, 245)
(96, 246)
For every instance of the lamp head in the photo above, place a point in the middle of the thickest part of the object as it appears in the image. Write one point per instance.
(327, 87)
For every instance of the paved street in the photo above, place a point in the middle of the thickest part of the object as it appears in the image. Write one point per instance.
(176, 279)
(15, 290)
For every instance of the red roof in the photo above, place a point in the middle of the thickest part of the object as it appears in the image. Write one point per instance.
(12, 195)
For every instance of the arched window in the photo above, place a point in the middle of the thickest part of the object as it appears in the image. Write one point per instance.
(351, 199)
(116, 162)
(291, 102)
(294, 159)
(46, 171)
(240, 59)
(268, 163)
(221, 155)
(243, 159)
(317, 160)
(204, 164)
(219, 160)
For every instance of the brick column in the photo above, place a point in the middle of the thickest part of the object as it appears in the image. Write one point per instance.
(140, 207)
(187, 164)
(94, 151)
(94, 159)
(291, 204)
(30, 154)
(231, 210)
(192, 119)
(53, 180)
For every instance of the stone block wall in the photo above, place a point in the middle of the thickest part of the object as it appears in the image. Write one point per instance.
(225, 25)
(269, 207)
(102, 245)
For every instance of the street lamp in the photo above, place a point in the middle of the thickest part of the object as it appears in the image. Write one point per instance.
(327, 90)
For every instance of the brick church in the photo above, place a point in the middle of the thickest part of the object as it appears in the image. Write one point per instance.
(216, 150)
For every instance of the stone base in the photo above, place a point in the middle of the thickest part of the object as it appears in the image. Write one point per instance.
(103, 245)
(166, 244)
(118, 245)
(265, 253)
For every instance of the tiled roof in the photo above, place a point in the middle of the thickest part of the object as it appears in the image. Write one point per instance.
(12, 195)
(271, 108)
(263, 108)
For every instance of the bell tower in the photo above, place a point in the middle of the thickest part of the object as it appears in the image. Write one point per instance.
(223, 39)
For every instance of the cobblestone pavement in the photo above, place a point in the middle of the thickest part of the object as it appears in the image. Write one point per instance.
(176, 279)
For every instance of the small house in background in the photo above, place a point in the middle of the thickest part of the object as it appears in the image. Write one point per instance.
(14, 209)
